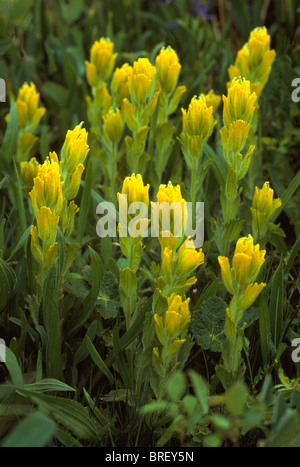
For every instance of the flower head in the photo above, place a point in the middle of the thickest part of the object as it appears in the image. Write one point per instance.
(168, 66)
(135, 190)
(254, 60)
(102, 61)
(263, 207)
(197, 123)
(141, 82)
(240, 102)
(246, 263)
(29, 113)
(120, 82)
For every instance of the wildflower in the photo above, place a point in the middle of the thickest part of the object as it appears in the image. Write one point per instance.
(47, 187)
(178, 267)
(198, 123)
(168, 66)
(102, 61)
(135, 190)
(254, 60)
(113, 126)
(141, 83)
(263, 207)
(73, 154)
(240, 103)
(29, 171)
(169, 215)
(239, 279)
(120, 82)
(47, 221)
(29, 114)
(176, 319)
(212, 100)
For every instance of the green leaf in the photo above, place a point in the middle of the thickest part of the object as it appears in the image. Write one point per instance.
(208, 324)
(48, 385)
(68, 413)
(201, 391)
(13, 367)
(52, 323)
(176, 385)
(98, 360)
(90, 301)
(11, 136)
(236, 398)
(34, 431)
(108, 301)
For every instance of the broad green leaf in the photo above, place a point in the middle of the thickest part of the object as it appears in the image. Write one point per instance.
(34, 431)
(108, 301)
(236, 398)
(208, 324)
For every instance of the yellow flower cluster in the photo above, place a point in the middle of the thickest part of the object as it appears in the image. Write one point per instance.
(29, 116)
(29, 113)
(197, 123)
(263, 208)
(254, 60)
(54, 184)
(238, 111)
(102, 61)
(171, 328)
(239, 279)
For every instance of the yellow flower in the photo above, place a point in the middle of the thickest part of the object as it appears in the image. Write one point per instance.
(47, 188)
(51, 255)
(247, 260)
(135, 190)
(113, 126)
(120, 82)
(141, 83)
(176, 303)
(246, 263)
(254, 60)
(234, 138)
(251, 293)
(188, 258)
(168, 66)
(240, 103)
(175, 346)
(47, 221)
(67, 217)
(212, 100)
(29, 171)
(102, 61)
(29, 113)
(173, 321)
(75, 148)
(35, 246)
(73, 154)
(198, 123)
(263, 207)
(169, 215)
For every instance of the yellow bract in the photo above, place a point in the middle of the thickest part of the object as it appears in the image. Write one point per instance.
(29, 171)
(188, 258)
(29, 114)
(246, 264)
(73, 154)
(240, 103)
(135, 190)
(113, 126)
(198, 123)
(47, 188)
(263, 207)
(212, 100)
(173, 326)
(171, 213)
(47, 221)
(141, 82)
(168, 66)
(254, 60)
(102, 61)
(120, 82)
